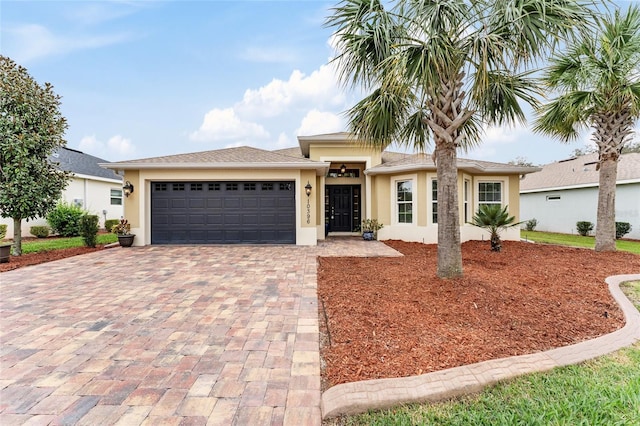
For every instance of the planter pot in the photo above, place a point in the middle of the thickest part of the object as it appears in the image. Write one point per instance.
(5, 252)
(126, 240)
(368, 235)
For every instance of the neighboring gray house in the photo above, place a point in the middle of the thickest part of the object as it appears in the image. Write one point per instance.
(566, 192)
(92, 187)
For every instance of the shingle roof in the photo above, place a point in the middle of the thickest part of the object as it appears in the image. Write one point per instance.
(291, 152)
(423, 161)
(579, 171)
(80, 163)
(240, 157)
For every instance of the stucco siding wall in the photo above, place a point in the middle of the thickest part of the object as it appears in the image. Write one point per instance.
(561, 215)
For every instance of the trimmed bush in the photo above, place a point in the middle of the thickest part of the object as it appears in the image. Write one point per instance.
(89, 229)
(584, 227)
(39, 231)
(3, 231)
(531, 224)
(108, 224)
(64, 220)
(622, 229)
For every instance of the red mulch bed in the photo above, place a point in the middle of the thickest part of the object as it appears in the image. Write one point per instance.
(16, 262)
(392, 317)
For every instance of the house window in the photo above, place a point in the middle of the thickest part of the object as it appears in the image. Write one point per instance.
(196, 187)
(489, 193)
(434, 200)
(404, 199)
(466, 201)
(116, 197)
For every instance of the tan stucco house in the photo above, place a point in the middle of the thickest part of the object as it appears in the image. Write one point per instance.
(249, 195)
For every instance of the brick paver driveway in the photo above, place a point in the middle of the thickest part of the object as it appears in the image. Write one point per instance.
(162, 336)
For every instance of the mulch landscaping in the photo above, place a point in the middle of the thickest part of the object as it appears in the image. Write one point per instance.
(16, 262)
(393, 317)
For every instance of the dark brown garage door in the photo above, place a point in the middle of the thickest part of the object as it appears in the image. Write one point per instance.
(223, 213)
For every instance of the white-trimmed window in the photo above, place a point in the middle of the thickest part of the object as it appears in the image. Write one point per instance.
(467, 185)
(489, 193)
(116, 197)
(404, 201)
(434, 200)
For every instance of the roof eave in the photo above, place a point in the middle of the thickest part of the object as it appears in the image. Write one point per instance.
(320, 167)
(469, 167)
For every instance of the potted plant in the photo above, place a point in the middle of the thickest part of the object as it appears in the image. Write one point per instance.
(123, 230)
(370, 228)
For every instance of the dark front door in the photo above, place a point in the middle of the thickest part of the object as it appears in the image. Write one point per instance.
(343, 208)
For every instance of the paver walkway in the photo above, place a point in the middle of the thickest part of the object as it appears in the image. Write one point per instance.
(166, 336)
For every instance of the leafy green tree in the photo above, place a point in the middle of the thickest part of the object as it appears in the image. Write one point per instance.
(443, 70)
(494, 218)
(31, 129)
(599, 87)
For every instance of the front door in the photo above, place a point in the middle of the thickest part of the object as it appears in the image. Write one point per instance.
(343, 209)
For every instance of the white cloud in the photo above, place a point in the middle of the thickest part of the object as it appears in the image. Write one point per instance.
(319, 89)
(116, 148)
(225, 125)
(32, 41)
(318, 122)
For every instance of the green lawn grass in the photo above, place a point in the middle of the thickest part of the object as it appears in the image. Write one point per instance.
(604, 391)
(48, 244)
(575, 240)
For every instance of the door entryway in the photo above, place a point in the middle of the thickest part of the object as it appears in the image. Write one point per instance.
(342, 207)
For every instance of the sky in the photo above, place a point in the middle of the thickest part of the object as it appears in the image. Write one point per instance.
(150, 78)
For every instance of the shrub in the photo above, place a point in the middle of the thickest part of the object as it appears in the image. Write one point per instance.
(584, 227)
(39, 231)
(622, 229)
(531, 224)
(65, 219)
(108, 224)
(3, 231)
(89, 229)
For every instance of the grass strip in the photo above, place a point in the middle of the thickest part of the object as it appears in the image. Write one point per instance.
(575, 240)
(48, 244)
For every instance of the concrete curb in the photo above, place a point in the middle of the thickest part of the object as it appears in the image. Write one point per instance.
(359, 397)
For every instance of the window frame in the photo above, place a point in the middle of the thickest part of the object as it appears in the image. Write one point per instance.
(113, 196)
(396, 202)
(434, 201)
(492, 182)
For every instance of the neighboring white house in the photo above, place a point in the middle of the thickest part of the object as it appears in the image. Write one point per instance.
(566, 192)
(95, 189)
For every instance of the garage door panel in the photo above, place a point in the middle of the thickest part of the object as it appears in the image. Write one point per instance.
(178, 203)
(222, 212)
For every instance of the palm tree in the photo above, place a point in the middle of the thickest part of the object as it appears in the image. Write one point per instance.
(443, 69)
(598, 80)
(494, 218)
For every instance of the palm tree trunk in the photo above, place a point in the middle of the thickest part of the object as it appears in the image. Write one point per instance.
(606, 220)
(449, 250)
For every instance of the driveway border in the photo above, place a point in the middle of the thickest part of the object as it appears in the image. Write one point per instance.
(359, 397)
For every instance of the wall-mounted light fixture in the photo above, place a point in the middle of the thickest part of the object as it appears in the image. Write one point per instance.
(307, 189)
(343, 169)
(127, 188)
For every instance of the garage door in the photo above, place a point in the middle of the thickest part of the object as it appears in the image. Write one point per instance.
(223, 213)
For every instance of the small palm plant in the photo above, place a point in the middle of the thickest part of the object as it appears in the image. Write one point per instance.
(494, 218)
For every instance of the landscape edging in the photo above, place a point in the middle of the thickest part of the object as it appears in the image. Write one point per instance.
(359, 397)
